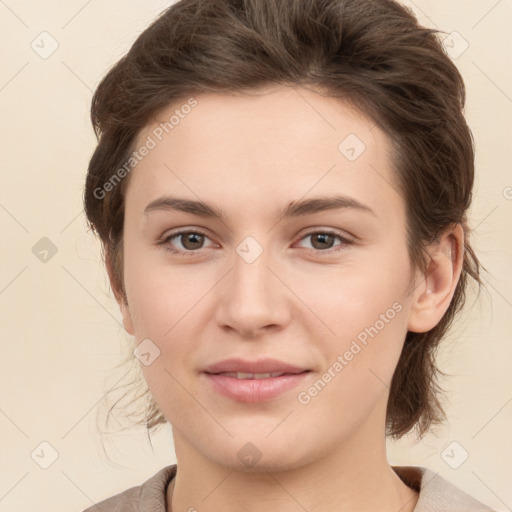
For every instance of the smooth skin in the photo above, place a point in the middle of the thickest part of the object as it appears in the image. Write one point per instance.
(251, 156)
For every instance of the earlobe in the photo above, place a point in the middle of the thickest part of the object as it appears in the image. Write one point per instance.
(434, 292)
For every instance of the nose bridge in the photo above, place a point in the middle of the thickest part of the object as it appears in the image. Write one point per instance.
(252, 297)
(251, 271)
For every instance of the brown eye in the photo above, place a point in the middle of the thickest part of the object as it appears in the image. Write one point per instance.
(324, 241)
(190, 241)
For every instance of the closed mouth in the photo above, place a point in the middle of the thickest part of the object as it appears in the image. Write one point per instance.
(245, 375)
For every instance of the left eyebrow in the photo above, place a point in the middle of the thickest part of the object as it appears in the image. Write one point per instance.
(320, 204)
(294, 209)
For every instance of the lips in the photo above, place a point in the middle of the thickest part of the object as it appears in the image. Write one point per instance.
(254, 381)
(248, 375)
(259, 368)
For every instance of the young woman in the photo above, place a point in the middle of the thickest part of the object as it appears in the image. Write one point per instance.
(281, 190)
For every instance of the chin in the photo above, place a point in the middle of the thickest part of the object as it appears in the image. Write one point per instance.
(261, 455)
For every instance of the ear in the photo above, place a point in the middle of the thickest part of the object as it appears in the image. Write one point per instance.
(119, 294)
(434, 289)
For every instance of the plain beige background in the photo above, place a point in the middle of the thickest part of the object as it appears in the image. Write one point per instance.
(60, 326)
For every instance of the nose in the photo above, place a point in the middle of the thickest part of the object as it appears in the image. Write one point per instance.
(253, 298)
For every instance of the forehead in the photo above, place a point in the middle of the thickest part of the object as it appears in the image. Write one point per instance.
(273, 144)
(275, 116)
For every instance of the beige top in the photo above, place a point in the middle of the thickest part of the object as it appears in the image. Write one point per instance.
(435, 493)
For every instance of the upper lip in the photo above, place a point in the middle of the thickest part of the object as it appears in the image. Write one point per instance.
(260, 366)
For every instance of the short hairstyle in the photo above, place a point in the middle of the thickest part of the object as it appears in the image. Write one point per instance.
(372, 54)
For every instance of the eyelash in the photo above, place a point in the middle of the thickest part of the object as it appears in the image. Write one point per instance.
(176, 234)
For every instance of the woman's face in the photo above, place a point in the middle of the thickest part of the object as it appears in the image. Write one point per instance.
(324, 289)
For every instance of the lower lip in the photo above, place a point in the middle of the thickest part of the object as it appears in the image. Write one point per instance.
(254, 390)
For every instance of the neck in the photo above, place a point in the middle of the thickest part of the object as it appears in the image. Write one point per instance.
(355, 475)
(398, 497)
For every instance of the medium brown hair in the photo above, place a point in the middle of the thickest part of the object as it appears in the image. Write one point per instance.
(371, 53)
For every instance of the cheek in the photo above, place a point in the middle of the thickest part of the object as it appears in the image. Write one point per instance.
(161, 296)
(354, 295)
(363, 314)
(359, 364)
